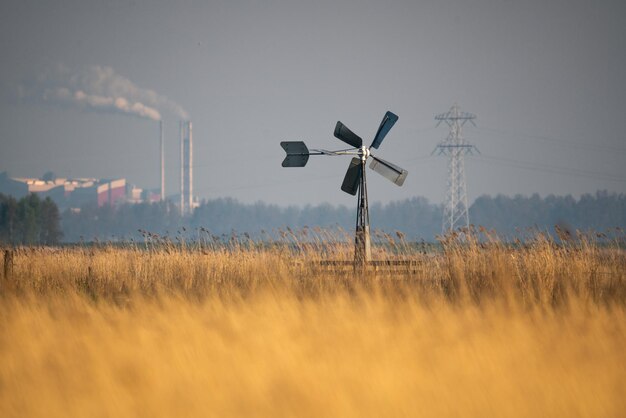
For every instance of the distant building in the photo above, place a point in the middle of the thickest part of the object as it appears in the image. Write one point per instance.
(136, 195)
(74, 193)
(111, 192)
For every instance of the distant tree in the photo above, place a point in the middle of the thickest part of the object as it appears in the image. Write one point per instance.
(50, 222)
(416, 217)
(8, 218)
(512, 216)
(119, 223)
(29, 220)
(28, 211)
(49, 176)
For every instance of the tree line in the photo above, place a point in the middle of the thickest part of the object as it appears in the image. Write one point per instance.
(416, 217)
(597, 212)
(29, 220)
(32, 220)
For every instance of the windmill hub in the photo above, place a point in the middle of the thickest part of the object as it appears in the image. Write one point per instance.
(355, 179)
(364, 153)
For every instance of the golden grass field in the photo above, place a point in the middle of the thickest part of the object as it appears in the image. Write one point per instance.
(478, 329)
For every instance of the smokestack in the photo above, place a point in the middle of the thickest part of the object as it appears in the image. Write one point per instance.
(182, 169)
(190, 188)
(186, 167)
(162, 161)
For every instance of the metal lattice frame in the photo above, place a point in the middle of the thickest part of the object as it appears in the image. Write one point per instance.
(455, 211)
(362, 241)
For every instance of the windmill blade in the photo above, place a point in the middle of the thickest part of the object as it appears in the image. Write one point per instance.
(297, 153)
(390, 171)
(346, 135)
(352, 179)
(388, 121)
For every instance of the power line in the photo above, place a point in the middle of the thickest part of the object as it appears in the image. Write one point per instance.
(558, 141)
(570, 171)
(426, 158)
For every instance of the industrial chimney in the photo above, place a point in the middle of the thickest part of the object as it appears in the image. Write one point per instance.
(162, 161)
(186, 167)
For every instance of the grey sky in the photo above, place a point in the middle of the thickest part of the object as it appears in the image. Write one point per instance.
(547, 80)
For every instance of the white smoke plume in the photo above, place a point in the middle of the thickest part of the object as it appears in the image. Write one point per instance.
(101, 89)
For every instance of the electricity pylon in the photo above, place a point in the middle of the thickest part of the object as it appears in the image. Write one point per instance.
(455, 213)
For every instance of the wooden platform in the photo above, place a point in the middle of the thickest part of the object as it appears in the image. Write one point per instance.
(382, 266)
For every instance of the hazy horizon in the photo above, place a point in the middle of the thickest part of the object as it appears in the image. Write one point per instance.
(545, 80)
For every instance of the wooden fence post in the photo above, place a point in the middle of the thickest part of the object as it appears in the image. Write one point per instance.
(8, 264)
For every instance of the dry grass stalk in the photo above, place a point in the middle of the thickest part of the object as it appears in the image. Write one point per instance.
(165, 329)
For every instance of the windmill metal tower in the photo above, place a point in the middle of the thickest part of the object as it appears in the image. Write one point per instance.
(455, 213)
(354, 180)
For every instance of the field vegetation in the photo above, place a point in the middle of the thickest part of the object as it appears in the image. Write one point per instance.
(475, 327)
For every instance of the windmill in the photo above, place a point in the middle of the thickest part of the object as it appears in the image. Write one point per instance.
(355, 179)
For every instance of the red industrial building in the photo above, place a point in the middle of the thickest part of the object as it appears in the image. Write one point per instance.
(111, 192)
